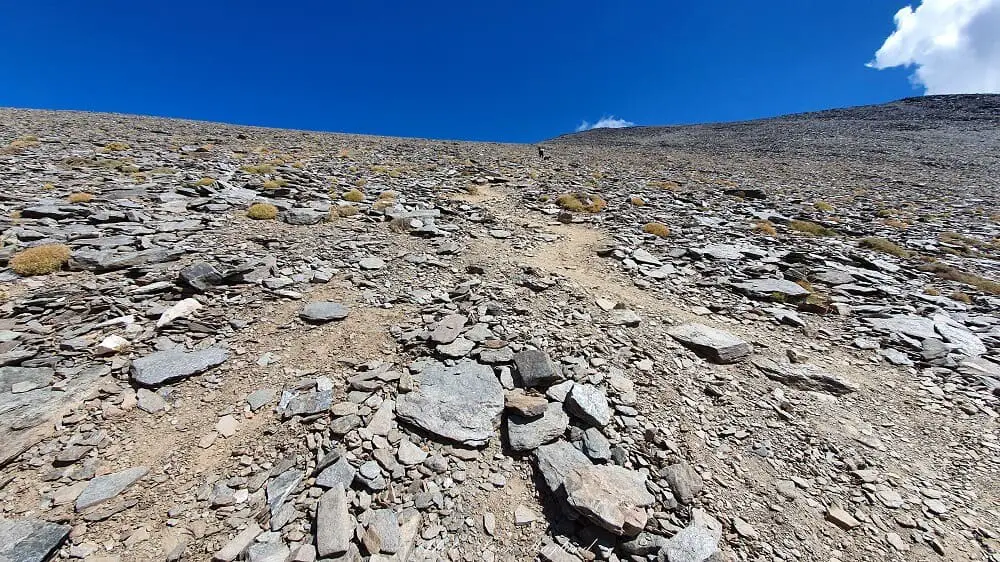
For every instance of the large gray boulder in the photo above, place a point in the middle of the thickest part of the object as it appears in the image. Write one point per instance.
(461, 403)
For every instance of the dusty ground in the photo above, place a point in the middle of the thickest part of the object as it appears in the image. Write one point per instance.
(911, 452)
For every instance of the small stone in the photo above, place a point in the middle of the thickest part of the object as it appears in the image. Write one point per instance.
(150, 402)
(112, 344)
(227, 426)
(523, 515)
(841, 518)
(409, 454)
(590, 404)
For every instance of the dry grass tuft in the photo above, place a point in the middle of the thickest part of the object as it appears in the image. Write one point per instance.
(80, 197)
(353, 195)
(275, 183)
(811, 228)
(945, 271)
(765, 227)
(343, 211)
(656, 229)
(885, 246)
(17, 145)
(895, 223)
(258, 169)
(116, 146)
(961, 297)
(581, 202)
(665, 184)
(262, 211)
(40, 260)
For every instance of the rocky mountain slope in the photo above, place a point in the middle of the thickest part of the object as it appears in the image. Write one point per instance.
(764, 341)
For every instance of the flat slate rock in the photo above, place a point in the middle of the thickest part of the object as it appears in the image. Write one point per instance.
(323, 311)
(526, 434)
(715, 345)
(104, 488)
(803, 377)
(26, 540)
(767, 289)
(916, 327)
(172, 365)
(461, 403)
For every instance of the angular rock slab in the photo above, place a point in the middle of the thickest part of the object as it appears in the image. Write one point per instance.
(590, 404)
(712, 344)
(768, 289)
(171, 365)
(334, 523)
(803, 377)
(323, 311)
(104, 488)
(536, 368)
(526, 434)
(555, 460)
(610, 496)
(916, 327)
(25, 540)
(693, 543)
(462, 403)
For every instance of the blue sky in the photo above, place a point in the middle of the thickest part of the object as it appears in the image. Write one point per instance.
(517, 71)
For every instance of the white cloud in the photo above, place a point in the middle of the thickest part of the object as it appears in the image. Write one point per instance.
(954, 45)
(606, 122)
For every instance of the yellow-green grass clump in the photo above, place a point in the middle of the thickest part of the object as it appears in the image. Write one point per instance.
(954, 274)
(80, 197)
(275, 183)
(581, 203)
(353, 195)
(811, 228)
(343, 211)
(656, 229)
(885, 246)
(258, 169)
(40, 260)
(116, 146)
(961, 297)
(262, 211)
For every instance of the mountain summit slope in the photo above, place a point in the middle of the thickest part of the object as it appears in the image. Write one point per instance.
(768, 340)
(951, 129)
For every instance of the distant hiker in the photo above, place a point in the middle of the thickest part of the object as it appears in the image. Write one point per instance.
(541, 153)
